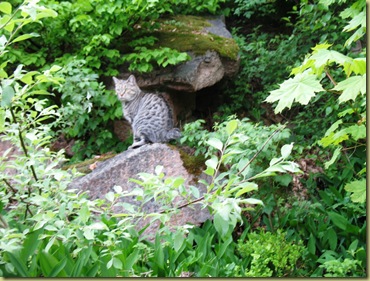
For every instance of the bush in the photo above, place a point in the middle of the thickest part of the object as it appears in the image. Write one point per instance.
(87, 111)
(270, 255)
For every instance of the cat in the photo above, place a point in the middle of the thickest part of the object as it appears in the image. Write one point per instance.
(149, 114)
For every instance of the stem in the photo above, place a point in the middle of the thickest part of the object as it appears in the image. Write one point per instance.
(353, 147)
(261, 149)
(9, 185)
(12, 16)
(19, 133)
(15, 192)
(219, 162)
(23, 144)
(330, 77)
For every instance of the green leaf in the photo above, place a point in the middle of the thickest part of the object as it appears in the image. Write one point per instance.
(82, 259)
(231, 126)
(9, 23)
(209, 171)
(224, 211)
(216, 143)
(338, 220)
(30, 244)
(47, 263)
(212, 163)
(333, 127)
(28, 77)
(55, 68)
(323, 57)
(358, 20)
(252, 201)
(84, 214)
(88, 233)
(7, 96)
(224, 246)
(357, 131)
(25, 37)
(178, 240)
(158, 252)
(353, 246)
(58, 268)
(301, 89)
(359, 33)
(178, 181)
(334, 138)
(333, 239)
(247, 187)
(311, 245)
(357, 66)
(286, 150)
(117, 263)
(221, 225)
(92, 271)
(358, 190)
(19, 266)
(131, 259)
(334, 158)
(351, 87)
(6, 7)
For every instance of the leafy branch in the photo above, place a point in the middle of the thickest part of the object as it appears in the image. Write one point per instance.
(238, 174)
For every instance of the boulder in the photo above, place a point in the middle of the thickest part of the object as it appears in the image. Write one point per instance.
(213, 52)
(118, 170)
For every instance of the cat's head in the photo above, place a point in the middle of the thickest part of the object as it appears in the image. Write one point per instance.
(126, 90)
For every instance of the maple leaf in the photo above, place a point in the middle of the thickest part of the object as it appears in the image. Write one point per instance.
(358, 66)
(323, 57)
(358, 189)
(351, 87)
(301, 89)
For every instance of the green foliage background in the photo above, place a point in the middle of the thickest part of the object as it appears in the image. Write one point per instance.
(302, 64)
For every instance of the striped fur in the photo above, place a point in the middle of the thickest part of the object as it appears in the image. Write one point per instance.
(150, 116)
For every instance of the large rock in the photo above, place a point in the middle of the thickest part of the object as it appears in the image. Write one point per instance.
(118, 170)
(213, 52)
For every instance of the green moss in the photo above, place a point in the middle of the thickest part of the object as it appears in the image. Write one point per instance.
(193, 164)
(86, 166)
(186, 33)
(182, 23)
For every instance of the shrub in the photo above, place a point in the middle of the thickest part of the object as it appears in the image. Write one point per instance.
(270, 254)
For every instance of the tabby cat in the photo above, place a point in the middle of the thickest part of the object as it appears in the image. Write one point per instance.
(149, 114)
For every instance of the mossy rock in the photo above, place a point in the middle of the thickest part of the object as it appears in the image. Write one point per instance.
(87, 166)
(193, 164)
(190, 34)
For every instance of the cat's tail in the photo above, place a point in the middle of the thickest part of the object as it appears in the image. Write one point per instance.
(173, 134)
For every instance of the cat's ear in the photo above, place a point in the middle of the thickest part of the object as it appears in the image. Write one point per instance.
(115, 80)
(132, 79)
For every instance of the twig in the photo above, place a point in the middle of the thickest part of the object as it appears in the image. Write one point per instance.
(21, 199)
(261, 149)
(23, 144)
(330, 77)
